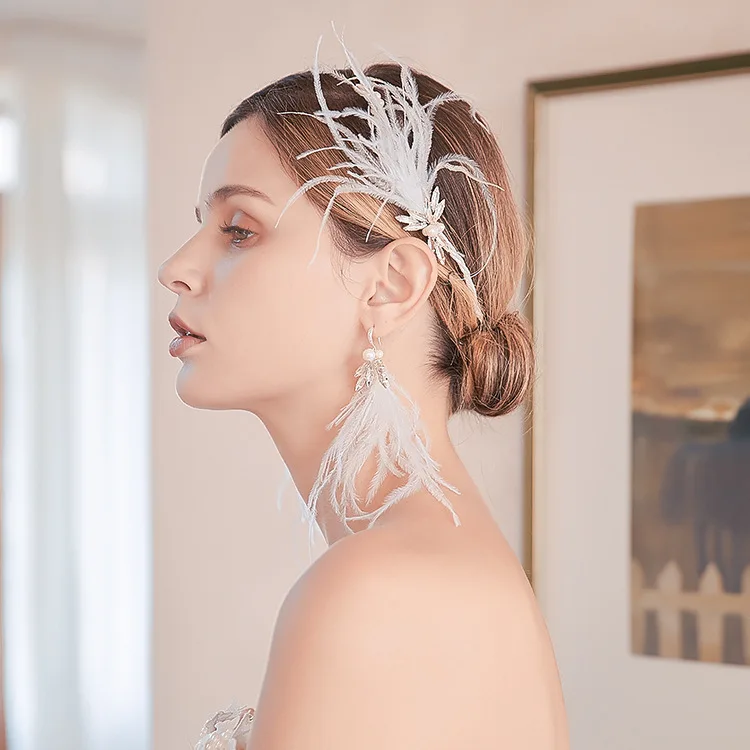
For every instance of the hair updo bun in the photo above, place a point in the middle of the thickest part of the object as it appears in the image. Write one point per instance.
(489, 364)
(494, 368)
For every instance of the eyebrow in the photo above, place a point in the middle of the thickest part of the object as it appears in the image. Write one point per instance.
(227, 191)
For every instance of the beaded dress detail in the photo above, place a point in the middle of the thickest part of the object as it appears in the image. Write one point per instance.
(227, 730)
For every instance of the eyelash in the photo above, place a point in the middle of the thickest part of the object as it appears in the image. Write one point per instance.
(233, 229)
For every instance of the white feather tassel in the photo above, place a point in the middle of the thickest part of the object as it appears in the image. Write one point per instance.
(380, 419)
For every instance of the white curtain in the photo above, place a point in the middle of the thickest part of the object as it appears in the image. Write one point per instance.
(74, 292)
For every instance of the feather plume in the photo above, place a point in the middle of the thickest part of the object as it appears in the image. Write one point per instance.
(392, 163)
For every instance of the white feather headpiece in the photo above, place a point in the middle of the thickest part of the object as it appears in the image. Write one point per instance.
(392, 163)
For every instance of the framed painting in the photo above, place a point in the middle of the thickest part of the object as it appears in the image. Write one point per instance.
(638, 468)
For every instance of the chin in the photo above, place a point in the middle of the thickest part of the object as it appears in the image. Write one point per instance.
(196, 400)
(196, 390)
(192, 392)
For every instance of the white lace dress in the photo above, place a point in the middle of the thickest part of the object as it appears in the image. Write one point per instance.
(227, 729)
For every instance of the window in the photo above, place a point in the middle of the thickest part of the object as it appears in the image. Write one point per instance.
(75, 431)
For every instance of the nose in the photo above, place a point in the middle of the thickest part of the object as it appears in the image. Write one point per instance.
(179, 273)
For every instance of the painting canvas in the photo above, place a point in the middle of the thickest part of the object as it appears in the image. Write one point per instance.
(691, 431)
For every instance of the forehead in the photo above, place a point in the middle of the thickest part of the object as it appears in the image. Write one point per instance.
(245, 156)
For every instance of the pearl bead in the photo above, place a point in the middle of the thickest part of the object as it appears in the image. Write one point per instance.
(433, 230)
(378, 354)
(369, 355)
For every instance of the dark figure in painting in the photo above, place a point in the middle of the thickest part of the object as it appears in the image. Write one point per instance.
(708, 485)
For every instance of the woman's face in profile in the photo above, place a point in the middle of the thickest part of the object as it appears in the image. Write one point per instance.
(272, 323)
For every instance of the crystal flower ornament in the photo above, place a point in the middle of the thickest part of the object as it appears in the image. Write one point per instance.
(231, 737)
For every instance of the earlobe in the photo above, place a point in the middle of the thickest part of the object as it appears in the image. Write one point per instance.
(407, 273)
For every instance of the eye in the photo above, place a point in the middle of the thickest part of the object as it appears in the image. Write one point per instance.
(239, 234)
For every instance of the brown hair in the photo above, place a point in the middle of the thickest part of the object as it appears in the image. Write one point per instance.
(490, 364)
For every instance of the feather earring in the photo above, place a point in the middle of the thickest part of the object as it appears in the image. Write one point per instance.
(382, 419)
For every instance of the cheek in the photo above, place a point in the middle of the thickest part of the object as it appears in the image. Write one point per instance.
(288, 324)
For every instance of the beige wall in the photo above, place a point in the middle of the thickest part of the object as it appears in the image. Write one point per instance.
(224, 555)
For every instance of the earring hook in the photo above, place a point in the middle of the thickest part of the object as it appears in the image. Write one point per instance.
(369, 337)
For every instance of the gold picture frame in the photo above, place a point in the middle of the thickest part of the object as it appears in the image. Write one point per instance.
(536, 92)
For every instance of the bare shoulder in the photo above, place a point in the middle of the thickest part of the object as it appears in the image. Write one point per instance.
(384, 625)
(423, 575)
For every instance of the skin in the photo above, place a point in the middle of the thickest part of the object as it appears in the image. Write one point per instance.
(412, 634)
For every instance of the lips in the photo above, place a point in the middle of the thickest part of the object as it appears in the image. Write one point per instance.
(183, 328)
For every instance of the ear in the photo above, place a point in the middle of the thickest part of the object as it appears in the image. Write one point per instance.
(404, 275)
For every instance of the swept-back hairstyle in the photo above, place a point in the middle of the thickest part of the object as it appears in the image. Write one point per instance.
(489, 364)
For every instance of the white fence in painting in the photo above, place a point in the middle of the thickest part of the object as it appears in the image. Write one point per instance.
(710, 603)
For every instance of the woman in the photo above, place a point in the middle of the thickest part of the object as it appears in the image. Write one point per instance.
(350, 284)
